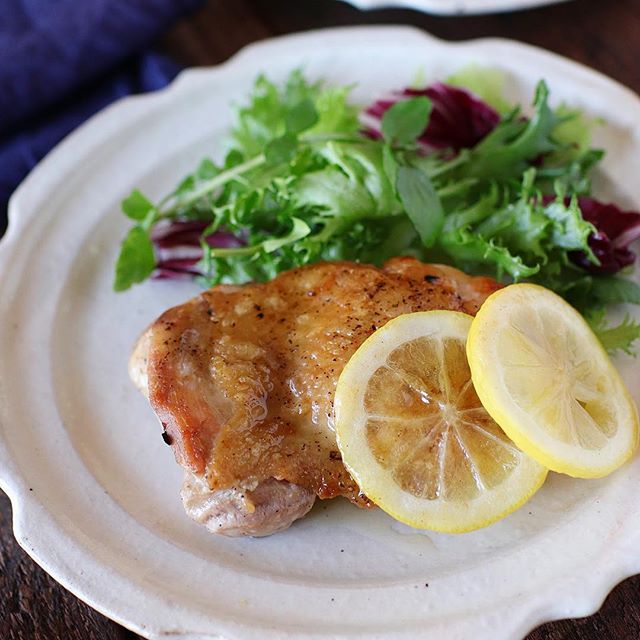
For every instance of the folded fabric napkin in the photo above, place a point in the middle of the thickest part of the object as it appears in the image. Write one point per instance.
(63, 60)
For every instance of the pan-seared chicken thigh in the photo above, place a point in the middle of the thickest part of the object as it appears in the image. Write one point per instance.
(242, 379)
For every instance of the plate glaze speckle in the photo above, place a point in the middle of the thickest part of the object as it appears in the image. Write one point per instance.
(95, 490)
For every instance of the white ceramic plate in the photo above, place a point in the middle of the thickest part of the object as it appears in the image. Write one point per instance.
(95, 490)
(453, 7)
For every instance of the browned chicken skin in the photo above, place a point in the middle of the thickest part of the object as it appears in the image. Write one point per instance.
(243, 378)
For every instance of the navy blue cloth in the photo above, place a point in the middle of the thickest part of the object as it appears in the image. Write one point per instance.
(63, 60)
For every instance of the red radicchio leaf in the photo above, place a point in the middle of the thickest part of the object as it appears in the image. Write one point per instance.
(616, 230)
(459, 119)
(177, 245)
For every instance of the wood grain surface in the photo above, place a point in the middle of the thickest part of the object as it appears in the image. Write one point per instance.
(602, 34)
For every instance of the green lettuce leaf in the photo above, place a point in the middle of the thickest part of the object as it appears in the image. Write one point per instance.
(508, 150)
(353, 183)
(298, 106)
(619, 337)
(474, 253)
(421, 203)
(136, 260)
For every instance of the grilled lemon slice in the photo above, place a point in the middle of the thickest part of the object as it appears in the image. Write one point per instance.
(544, 377)
(415, 436)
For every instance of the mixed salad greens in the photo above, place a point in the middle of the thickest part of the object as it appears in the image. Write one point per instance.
(449, 173)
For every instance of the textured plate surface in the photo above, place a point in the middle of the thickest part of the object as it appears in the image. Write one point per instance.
(95, 490)
(453, 7)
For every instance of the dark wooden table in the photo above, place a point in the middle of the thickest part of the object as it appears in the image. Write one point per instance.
(604, 34)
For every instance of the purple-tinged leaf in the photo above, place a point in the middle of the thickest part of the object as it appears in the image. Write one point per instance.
(458, 119)
(178, 247)
(616, 230)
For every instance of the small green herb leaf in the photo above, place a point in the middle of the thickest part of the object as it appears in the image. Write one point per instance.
(404, 121)
(281, 149)
(207, 170)
(619, 337)
(301, 117)
(421, 203)
(136, 260)
(136, 206)
(300, 230)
